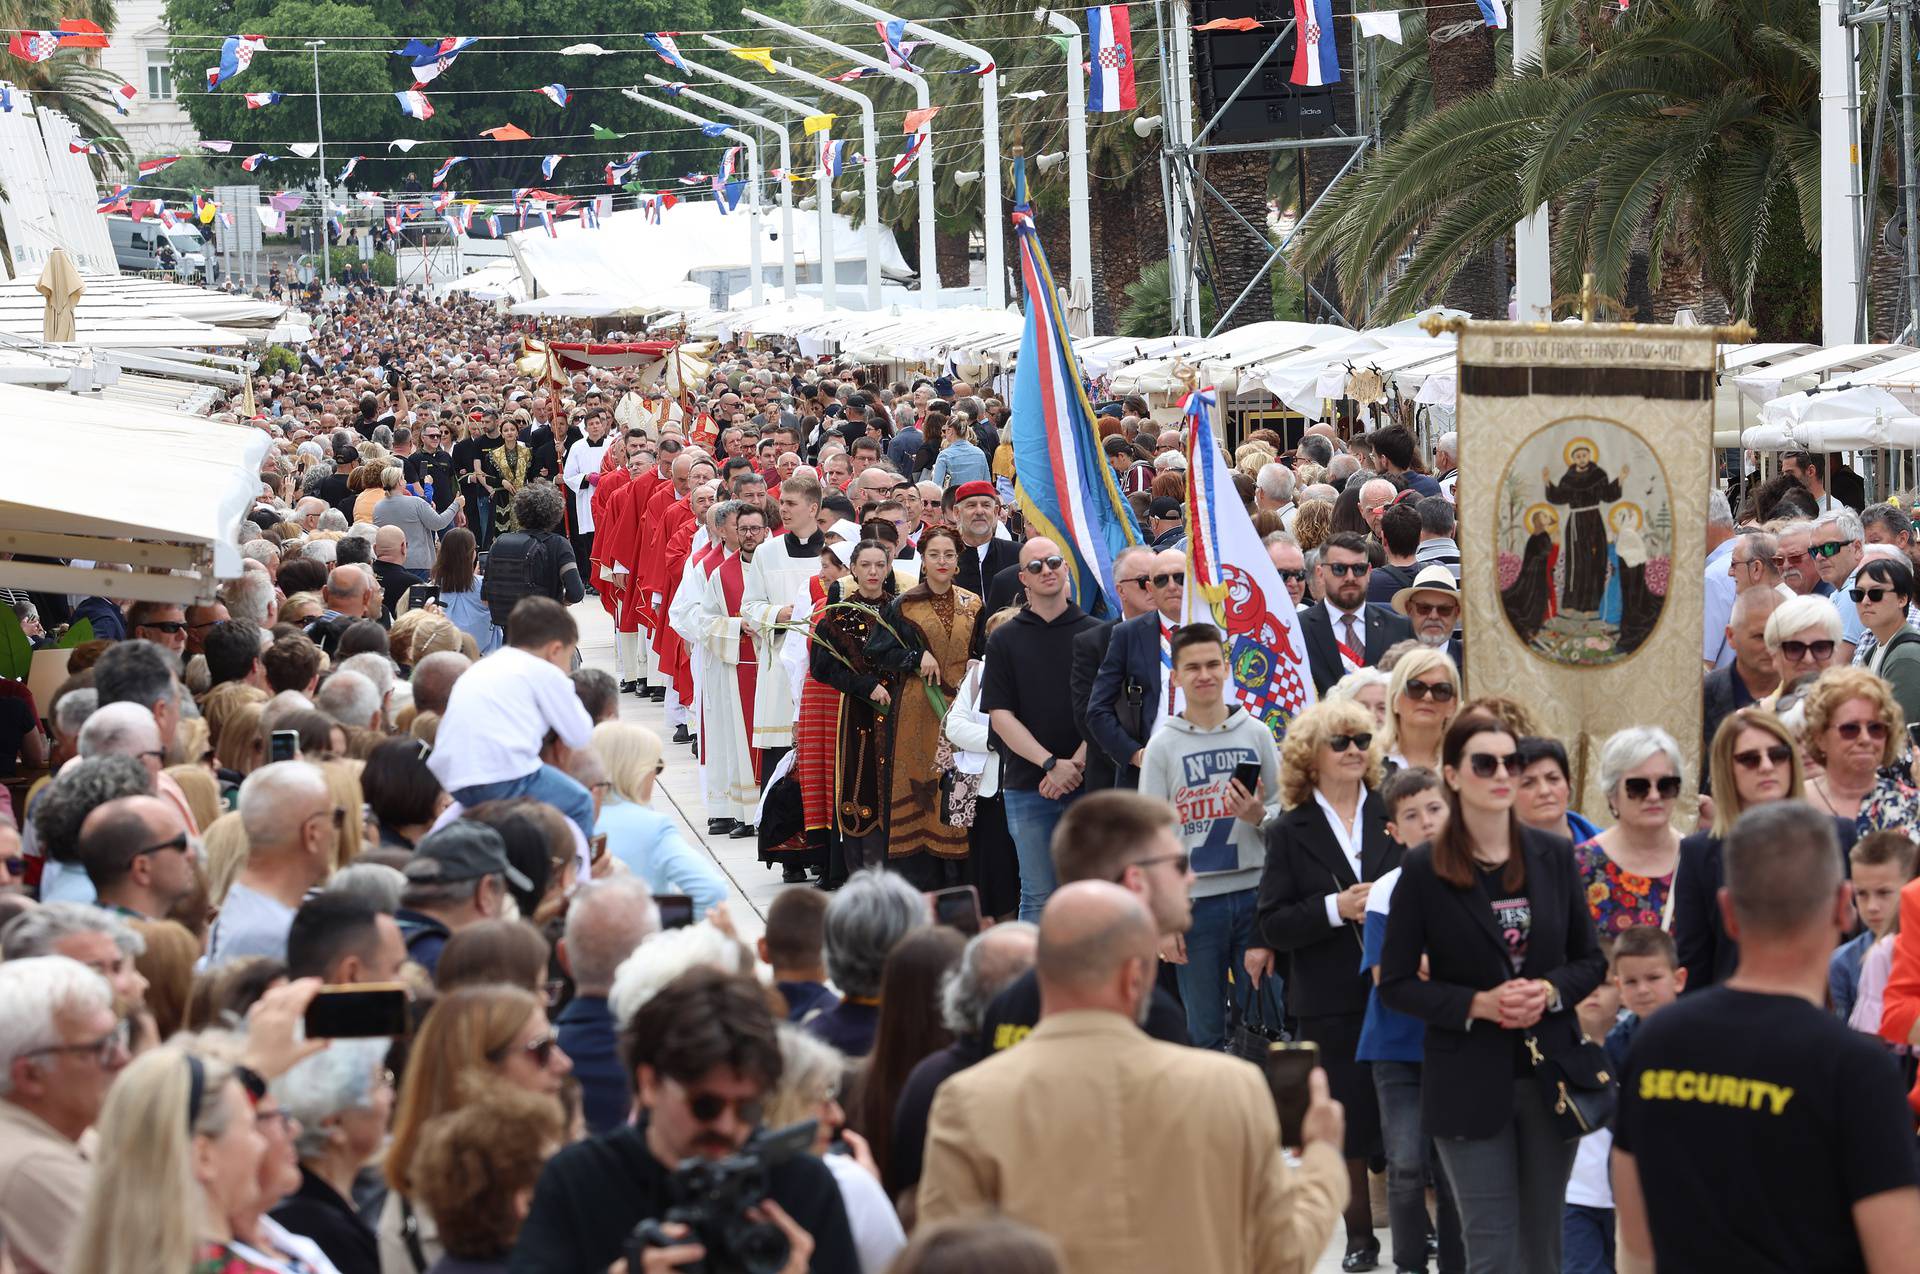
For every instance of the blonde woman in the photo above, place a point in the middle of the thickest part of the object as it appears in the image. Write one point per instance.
(1324, 852)
(179, 1152)
(647, 841)
(351, 834)
(226, 844)
(1422, 698)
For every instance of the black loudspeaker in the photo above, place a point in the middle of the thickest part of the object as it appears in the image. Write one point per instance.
(1270, 107)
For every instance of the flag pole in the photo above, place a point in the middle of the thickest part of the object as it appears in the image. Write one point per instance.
(753, 183)
(320, 131)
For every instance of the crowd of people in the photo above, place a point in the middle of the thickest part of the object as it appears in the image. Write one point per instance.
(1048, 892)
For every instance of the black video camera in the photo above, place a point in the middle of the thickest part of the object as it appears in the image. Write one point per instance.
(711, 1198)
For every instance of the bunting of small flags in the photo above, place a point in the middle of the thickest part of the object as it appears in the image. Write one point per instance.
(78, 33)
(979, 68)
(218, 148)
(911, 153)
(236, 54)
(892, 32)
(493, 224)
(676, 88)
(601, 133)
(348, 170)
(664, 44)
(252, 162)
(857, 73)
(440, 173)
(583, 50)
(404, 145)
(548, 164)
(555, 93)
(255, 101)
(833, 157)
(414, 104)
(713, 130)
(916, 120)
(1230, 24)
(113, 199)
(34, 46)
(546, 219)
(818, 123)
(124, 95)
(306, 150)
(148, 167)
(761, 57)
(77, 147)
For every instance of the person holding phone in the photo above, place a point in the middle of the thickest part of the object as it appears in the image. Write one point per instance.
(1491, 944)
(1323, 855)
(1216, 764)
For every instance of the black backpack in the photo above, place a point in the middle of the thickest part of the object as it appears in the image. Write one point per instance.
(518, 566)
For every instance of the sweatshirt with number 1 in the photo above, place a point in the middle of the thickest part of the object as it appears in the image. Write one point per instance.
(1190, 767)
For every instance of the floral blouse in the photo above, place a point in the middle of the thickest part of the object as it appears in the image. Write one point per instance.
(1892, 804)
(221, 1258)
(1619, 899)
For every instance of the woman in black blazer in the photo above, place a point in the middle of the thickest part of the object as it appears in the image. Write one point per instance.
(1498, 914)
(1323, 853)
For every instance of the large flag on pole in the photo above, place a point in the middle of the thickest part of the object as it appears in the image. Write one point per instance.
(1063, 483)
(1316, 55)
(1110, 59)
(1232, 584)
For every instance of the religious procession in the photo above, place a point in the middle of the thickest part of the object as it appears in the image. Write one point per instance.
(1139, 638)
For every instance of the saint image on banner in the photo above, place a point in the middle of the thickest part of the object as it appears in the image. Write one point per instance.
(1584, 557)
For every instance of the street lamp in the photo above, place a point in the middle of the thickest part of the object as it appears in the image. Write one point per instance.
(753, 181)
(320, 128)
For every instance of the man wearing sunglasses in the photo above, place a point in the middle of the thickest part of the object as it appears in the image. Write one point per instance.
(1134, 690)
(139, 855)
(703, 1055)
(1344, 632)
(1835, 548)
(292, 828)
(160, 623)
(1432, 604)
(64, 1045)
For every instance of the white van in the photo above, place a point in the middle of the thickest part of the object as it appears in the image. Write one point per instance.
(137, 246)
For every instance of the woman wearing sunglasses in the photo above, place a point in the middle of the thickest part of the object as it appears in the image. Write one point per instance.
(1802, 635)
(1855, 732)
(498, 1032)
(1490, 943)
(1752, 760)
(1421, 700)
(1627, 870)
(1324, 852)
(1882, 590)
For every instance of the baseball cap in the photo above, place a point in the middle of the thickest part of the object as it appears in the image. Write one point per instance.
(1166, 506)
(463, 850)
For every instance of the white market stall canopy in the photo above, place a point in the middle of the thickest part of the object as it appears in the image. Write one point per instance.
(1864, 417)
(112, 482)
(1814, 368)
(113, 316)
(630, 259)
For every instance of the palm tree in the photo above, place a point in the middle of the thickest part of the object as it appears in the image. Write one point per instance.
(1684, 133)
(69, 82)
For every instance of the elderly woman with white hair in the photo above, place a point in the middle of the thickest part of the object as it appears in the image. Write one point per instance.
(1627, 870)
(342, 1099)
(648, 842)
(1802, 635)
(812, 1077)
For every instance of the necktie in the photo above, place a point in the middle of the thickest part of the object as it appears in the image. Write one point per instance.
(1166, 663)
(1351, 648)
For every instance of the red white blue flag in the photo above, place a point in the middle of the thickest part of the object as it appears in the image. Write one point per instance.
(431, 57)
(348, 170)
(1232, 584)
(257, 100)
(414, 103)
(906, 157)
(34, 46)
(893, 37)
(833, 157)
(1063, 482)
(1110, 60)
(440, 173)
(548, 164)
(236, 55)
(555, 93)
(252, 162)
(664, 44)
(1316, 57)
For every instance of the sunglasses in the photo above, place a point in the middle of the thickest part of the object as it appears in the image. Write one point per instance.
(1830, 549)
(1170, 577)
(1869, 594)
(707, 1107)
(1338, 569)
(1778, 754)
(540, 1050)
(1041, 564)
(1796, 651)
(1850, 730)
(182, 842)
(1181, 861)
(1637, 789)
(1294, 577)
(166, 625)
(1442, 691)
(1485, 764)
(1340, 742)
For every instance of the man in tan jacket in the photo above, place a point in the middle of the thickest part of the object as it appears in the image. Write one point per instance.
(1136, 1155)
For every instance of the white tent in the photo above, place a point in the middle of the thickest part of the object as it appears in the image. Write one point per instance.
(84, 477)
(1844, 420)
(1814, 367)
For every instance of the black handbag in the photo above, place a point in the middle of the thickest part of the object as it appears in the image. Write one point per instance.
(1578, 1084)
(1261, 1025)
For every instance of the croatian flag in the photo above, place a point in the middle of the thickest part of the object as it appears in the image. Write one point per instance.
(35, 46)
(548, 164)
(911, 153)
(252, 162)
(1232, 584)
(1110, 67)
(149, 167)
(833, 157)
(236, 54)
(892, 31)
(440, 173)
(414, 103)
(663, 43)
(348, 170)
(493, 224)
(589, 216)
(555, 93)
(430, 57)
(126, 93)
(1494, 12)
(257, 100)
(79, 148)
(1316, 58)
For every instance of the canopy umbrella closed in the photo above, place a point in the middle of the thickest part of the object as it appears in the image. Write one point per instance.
(61, 284)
